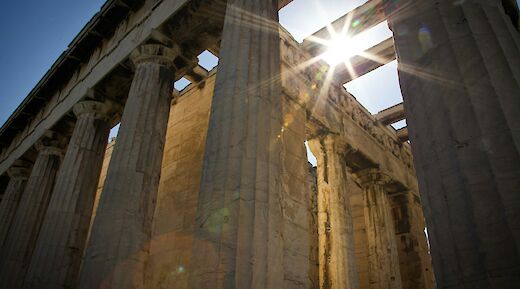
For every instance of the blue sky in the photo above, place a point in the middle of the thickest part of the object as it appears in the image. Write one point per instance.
(34, 33)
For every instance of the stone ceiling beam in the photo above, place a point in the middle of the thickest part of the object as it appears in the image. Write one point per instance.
(369, 60)
(402, 134)
(196, 74)
(391, 115)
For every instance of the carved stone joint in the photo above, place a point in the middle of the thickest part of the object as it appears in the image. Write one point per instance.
(96, 109)
(155, 53)
(51, 143)
(20, 170)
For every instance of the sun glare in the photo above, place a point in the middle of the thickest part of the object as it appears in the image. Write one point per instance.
(343, 40)
(341, 46)
(341, 49)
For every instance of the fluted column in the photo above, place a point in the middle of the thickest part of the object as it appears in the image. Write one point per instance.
(238, 241)
(18, 247)
(459, 68)
(118, 247)
(18, 175)
(337, 257)
(383, 258)
(57, 256)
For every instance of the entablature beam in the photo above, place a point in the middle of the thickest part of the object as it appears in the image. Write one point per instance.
(402, 134)
(391, 115)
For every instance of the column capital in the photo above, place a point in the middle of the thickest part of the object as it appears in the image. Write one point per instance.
(103, 110)
(370, 176)
(20, 170)
(51, 143)
(155, 53)
(333, 143)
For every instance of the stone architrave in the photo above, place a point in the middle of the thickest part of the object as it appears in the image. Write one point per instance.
(459, 70)
(118, 247)
(18, 176)
(383, 257)
(18, 247)
(61, 242)
(238, 238)
(337, 257)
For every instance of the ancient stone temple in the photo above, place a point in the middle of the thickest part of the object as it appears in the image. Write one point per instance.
(210, 187)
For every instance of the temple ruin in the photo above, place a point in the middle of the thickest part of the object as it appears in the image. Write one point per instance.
(210, 187)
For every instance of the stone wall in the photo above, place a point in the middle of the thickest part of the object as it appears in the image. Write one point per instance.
(178, 194)
(178, 191)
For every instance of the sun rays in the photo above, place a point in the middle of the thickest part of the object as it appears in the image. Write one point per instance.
(338, 47)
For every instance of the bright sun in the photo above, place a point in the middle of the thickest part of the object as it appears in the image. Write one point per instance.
(340, 49)
(342, 44)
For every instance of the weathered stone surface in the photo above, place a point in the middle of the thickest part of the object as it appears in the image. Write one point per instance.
(460, 77)
(17, 249)
(61, 242)
(119, 242)
(383, 258)
(337, 259)
(360, 235)
(174, 219)
(414, 259)
(299, 221)
(18, 176)
(238, 237)
(314, 269)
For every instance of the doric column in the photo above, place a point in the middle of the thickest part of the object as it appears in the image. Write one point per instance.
(57, 256)
(18, 247)
(238, 241)
(18, 175)
(414, 259)
(118, 247)
(459, 70)
(337, 257)
(383, 258)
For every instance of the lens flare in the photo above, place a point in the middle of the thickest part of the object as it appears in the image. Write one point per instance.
(341, 49)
